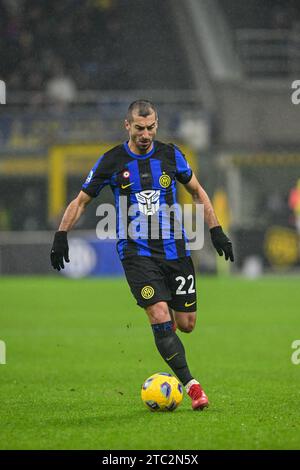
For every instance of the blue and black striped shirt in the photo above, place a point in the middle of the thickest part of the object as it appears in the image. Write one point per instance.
(148, 186)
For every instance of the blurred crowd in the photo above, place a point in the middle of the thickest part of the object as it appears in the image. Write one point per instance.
(61, 46)
(267, 14)
(64, 46)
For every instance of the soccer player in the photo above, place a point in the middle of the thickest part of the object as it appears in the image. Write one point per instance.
(159, 269)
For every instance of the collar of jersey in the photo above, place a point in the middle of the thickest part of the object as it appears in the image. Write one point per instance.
(135, 155)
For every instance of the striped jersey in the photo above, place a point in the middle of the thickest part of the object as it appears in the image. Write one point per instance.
(149, 221)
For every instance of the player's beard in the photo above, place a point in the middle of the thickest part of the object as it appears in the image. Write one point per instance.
(143, 145)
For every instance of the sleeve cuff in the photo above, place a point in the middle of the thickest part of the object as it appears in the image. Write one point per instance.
(88, 192)
(184, 178)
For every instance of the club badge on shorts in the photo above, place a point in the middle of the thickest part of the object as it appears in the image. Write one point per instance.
(147, 292)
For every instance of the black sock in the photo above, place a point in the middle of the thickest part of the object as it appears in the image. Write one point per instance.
(172, 351)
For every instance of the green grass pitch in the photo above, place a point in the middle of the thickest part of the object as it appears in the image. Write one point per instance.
(78, 351)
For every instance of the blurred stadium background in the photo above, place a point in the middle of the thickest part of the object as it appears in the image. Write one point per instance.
(220, 72)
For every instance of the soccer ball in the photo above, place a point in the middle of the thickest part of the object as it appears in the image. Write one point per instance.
(162, 392)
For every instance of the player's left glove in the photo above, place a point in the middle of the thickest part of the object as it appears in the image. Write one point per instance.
(221, 242)
(60, 250)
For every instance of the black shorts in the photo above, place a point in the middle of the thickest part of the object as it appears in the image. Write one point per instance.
(153, 280)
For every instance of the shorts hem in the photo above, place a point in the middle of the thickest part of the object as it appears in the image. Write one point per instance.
(191, 309)
(155, 301)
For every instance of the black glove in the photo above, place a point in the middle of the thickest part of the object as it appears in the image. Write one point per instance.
(221, 242)
(60, 250)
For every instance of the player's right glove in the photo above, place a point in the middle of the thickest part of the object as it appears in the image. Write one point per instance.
(60, 250)
(221, 242)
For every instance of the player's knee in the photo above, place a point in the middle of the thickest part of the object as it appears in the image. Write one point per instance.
(158, 313)
(187, 325)
(186, 328)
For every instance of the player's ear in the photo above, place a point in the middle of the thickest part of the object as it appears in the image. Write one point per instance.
(127, 124)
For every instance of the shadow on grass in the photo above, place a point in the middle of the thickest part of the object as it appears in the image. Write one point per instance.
(127, 417)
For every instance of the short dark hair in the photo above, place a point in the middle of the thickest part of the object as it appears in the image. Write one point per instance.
(142, 108)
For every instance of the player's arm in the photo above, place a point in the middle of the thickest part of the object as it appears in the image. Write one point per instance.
(74, 211)
(60, 248)
(220, 241)
(200, 196)
(98, 177)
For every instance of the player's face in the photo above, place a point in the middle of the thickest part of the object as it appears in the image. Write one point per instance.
(142, 131)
